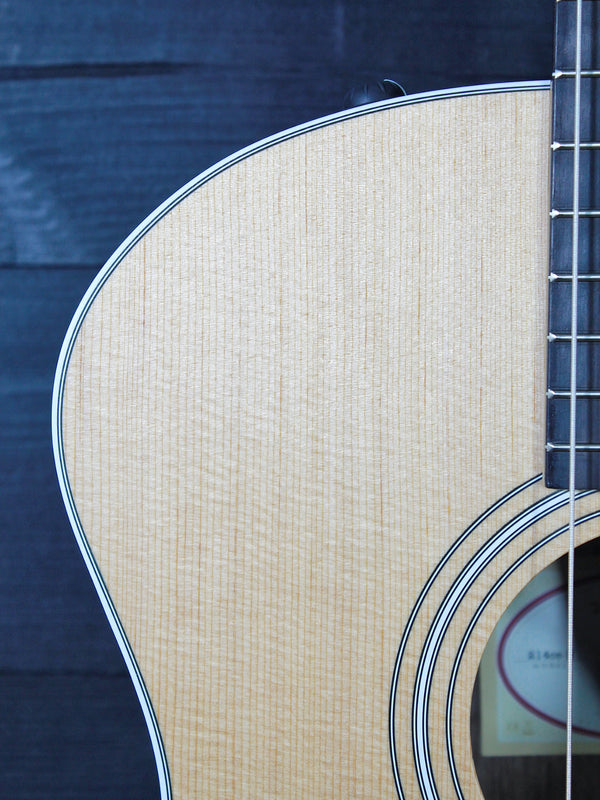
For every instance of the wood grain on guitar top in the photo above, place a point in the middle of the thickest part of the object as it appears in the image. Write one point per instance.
(283, 407)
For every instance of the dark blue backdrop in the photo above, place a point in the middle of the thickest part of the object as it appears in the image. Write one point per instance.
(106, 108)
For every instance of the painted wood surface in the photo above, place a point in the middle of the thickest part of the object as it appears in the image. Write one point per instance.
(105, 110)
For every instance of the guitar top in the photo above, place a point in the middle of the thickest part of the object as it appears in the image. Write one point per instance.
(299, 428)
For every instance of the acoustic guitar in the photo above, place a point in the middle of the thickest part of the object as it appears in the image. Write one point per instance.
(301, 432)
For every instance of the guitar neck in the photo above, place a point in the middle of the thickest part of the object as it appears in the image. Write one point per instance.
(561, 253)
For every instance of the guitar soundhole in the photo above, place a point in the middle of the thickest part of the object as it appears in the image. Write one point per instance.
(519, 701)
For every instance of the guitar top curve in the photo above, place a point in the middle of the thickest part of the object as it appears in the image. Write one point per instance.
(297, 423)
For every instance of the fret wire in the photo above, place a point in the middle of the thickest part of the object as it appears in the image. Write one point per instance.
(551, 394)
(567, 337)
(571, 146)
(554, 447)
(569, 73)
(566, 276)
(588, 213)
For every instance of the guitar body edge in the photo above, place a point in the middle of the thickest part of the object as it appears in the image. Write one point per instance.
(297, 423)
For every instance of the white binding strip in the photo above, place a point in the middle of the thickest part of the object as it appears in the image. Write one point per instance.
(88, 299)
(415, 611)
(459, 589)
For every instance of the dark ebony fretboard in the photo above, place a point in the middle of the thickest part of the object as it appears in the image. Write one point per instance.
(561, 281)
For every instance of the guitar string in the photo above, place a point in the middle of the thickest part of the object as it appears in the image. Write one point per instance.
(573, 403)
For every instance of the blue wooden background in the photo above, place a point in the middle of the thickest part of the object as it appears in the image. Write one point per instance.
(106, 108)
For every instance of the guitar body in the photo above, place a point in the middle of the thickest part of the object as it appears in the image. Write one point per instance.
(299, 427)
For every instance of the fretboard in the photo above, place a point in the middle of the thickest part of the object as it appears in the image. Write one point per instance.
(587, 462)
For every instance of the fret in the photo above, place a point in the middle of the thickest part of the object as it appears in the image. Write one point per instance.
(566, 337)
(591, 212)
(566, 276)
(571, 146)
(580, 448)
(587, 437)
(558, 402)
(551, 394)
(570, 73)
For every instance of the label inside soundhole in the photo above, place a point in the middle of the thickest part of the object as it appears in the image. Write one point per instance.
(519, 704)
(531, 661)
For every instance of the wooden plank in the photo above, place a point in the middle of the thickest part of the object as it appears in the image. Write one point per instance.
(426, 38)
(35, 308)
(47, 604)
(71, 32)
(73, 737)
(85, 160)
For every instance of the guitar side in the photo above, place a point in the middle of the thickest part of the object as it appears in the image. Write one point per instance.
(298, 423)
